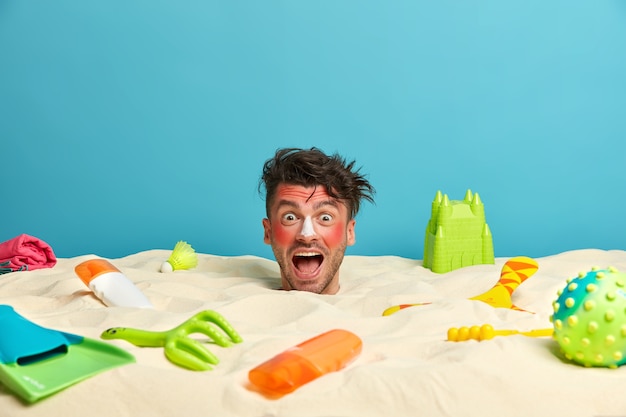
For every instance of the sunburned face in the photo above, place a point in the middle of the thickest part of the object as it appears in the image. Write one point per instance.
(309, 232)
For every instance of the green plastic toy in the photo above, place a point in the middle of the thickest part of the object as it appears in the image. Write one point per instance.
(590, 318)
(181, 349)
(457, 234)
(36, 362)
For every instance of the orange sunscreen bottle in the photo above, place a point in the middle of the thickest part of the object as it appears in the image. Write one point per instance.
(298, 365)
(110, 285)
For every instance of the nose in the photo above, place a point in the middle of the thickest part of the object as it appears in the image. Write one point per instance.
(308, 231)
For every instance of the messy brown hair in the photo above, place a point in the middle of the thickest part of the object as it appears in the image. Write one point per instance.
(311, 168)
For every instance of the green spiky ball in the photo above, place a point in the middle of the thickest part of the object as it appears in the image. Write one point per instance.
(590, 318)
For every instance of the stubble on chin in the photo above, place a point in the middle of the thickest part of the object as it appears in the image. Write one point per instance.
(323, 285)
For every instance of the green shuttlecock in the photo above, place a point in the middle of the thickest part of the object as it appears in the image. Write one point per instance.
(183, 257)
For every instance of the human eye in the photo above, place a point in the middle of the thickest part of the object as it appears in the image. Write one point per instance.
(288, 218)
(326, 218)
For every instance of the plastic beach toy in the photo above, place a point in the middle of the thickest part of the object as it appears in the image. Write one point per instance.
(110, 285)
(514, 272)
(487, 332)
(298, 365)
(181, 349)
(590, 318)
(36, 362)
(457, 234)
(183, 257)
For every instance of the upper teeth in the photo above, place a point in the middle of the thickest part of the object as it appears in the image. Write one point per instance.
(306, 254)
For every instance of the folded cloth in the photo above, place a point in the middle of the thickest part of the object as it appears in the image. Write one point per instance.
(25, 252)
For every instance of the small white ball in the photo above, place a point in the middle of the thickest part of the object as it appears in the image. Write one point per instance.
(166, 267)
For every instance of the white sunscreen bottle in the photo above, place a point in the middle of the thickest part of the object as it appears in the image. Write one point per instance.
(110, 285)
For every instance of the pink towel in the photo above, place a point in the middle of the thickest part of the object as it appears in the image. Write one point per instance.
(25, 252)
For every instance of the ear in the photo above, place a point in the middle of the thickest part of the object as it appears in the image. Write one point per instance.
(350, 234)
(267, 227)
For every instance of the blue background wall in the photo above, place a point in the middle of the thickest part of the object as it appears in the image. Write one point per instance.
(128, 125)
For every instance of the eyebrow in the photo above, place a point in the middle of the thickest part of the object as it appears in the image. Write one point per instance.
(317, 206)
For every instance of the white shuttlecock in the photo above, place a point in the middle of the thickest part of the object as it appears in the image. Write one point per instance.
(183, 257)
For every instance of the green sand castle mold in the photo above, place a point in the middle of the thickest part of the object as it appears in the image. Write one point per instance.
(457, 234)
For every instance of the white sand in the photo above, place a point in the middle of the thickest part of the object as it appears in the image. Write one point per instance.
(406, 367)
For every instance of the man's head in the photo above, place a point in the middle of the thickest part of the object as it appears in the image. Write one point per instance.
(311, 202)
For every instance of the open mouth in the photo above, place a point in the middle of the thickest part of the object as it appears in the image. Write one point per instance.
(307, 262)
